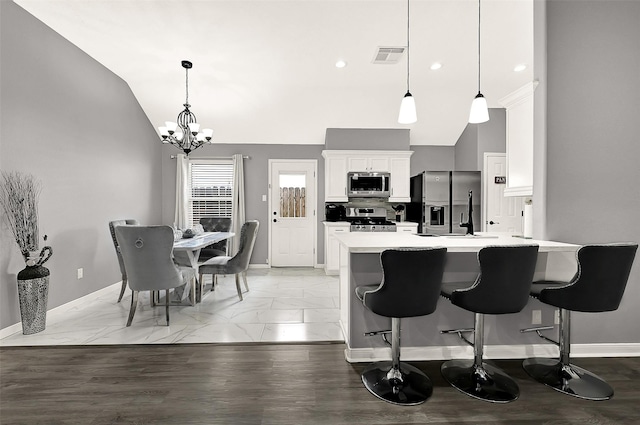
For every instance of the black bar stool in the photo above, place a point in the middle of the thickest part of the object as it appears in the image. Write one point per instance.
(603, 272)
(410, 287)
(502, 287)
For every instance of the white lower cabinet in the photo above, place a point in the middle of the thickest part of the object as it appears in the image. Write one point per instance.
(407, 227)
(332, 246)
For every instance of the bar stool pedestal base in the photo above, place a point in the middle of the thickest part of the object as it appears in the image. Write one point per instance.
(486, 383)
(569, 379)
(413, 387)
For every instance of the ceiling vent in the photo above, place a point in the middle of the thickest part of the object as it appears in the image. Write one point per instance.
(388, 55)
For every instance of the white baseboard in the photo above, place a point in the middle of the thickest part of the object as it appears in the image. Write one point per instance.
(10, 330)
(259, 266)
(357, 355)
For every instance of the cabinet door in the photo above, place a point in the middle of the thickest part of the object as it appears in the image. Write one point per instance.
(380, 164)
(368, 163)
(332, 248)
(358, 163)
(335, 178)
(400, 180)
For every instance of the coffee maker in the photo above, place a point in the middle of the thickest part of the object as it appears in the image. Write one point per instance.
(335, 212)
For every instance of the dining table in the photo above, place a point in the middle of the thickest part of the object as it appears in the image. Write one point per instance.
(186, 252)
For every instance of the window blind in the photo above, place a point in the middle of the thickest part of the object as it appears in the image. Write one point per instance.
(210, 189)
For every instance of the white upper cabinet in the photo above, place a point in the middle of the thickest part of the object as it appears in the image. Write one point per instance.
(363, 163)
(519, 109)
(400, 179)
(339, 162)
(335, 178)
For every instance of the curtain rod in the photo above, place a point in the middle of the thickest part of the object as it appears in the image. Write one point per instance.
(215, 157)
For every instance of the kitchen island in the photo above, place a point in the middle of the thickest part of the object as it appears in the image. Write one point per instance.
(421, 338)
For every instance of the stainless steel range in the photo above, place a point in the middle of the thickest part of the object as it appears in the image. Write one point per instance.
(369, 220)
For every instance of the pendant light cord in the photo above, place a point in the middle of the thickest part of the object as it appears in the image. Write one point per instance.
(187, 85)
(408, 50)
(478, 46)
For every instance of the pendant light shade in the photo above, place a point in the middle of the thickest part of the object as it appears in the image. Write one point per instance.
(479, 111)
(407, 113)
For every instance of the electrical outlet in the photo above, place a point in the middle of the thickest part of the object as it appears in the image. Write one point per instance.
(556, 317)
(80, 273)
(536, 317)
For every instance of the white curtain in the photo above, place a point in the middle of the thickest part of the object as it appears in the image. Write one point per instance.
(238, 212)
(181, 218)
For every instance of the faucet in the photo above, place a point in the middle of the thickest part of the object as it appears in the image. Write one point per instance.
(469, 223)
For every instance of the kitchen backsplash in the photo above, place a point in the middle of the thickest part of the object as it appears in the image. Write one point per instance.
(371, 203)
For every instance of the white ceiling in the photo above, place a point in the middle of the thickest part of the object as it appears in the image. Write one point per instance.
(263, 71)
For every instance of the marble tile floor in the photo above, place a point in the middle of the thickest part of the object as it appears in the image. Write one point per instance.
(282, 305)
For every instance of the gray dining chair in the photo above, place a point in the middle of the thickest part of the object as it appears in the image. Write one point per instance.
(123, 272)
(147, 255)
(236, 265)
(214, 224)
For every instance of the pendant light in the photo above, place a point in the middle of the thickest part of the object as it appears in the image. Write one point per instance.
(407, 113)
(479, 112)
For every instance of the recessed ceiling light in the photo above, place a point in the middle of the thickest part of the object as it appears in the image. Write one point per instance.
(435, 65)
(341, 64)
(520, 68)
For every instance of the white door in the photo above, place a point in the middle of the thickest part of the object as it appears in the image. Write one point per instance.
(292, 212)
(502, 214)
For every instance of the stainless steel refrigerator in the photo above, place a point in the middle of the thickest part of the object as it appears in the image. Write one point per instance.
(441, 200)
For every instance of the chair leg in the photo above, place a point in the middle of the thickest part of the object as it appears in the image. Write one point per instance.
(396, 382)
(134, 304)
(244, 278)
(479, 379)
(194, 295)
(166, 304)
(238, 286)
(563, 376)
(123, 288)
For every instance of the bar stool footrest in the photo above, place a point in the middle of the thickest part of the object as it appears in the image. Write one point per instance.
(488, 383)
(414, 388)
(568, 379)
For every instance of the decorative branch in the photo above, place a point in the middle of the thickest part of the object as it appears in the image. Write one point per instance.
(19, 194)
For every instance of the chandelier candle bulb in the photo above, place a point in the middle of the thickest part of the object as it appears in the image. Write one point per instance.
(194, 128)
(171, 126)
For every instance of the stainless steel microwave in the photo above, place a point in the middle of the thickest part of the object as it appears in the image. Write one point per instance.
(368, 185)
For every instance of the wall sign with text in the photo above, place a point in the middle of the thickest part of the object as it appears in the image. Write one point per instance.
(500, 179)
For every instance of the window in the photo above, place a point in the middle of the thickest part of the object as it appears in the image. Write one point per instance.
(211, 189)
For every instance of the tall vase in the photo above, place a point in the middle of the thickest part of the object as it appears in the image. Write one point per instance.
(33, 293)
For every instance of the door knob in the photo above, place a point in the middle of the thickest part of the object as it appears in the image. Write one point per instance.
(493, 222)
(274, 220)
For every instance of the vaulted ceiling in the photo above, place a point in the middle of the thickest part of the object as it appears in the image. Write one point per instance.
(264, 71)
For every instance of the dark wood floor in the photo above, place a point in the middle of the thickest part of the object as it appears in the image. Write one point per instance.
(267, 384)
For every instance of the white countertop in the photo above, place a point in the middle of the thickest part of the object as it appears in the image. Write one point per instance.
(379, 241)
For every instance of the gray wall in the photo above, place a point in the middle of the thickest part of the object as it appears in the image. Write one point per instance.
(78, 128)
(593, 172)
(257, 175)
(476, 139)
(387, 139)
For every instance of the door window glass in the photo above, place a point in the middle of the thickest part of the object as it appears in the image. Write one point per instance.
(293, 195)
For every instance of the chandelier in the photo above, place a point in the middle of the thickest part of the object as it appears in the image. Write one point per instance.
(185, 134)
